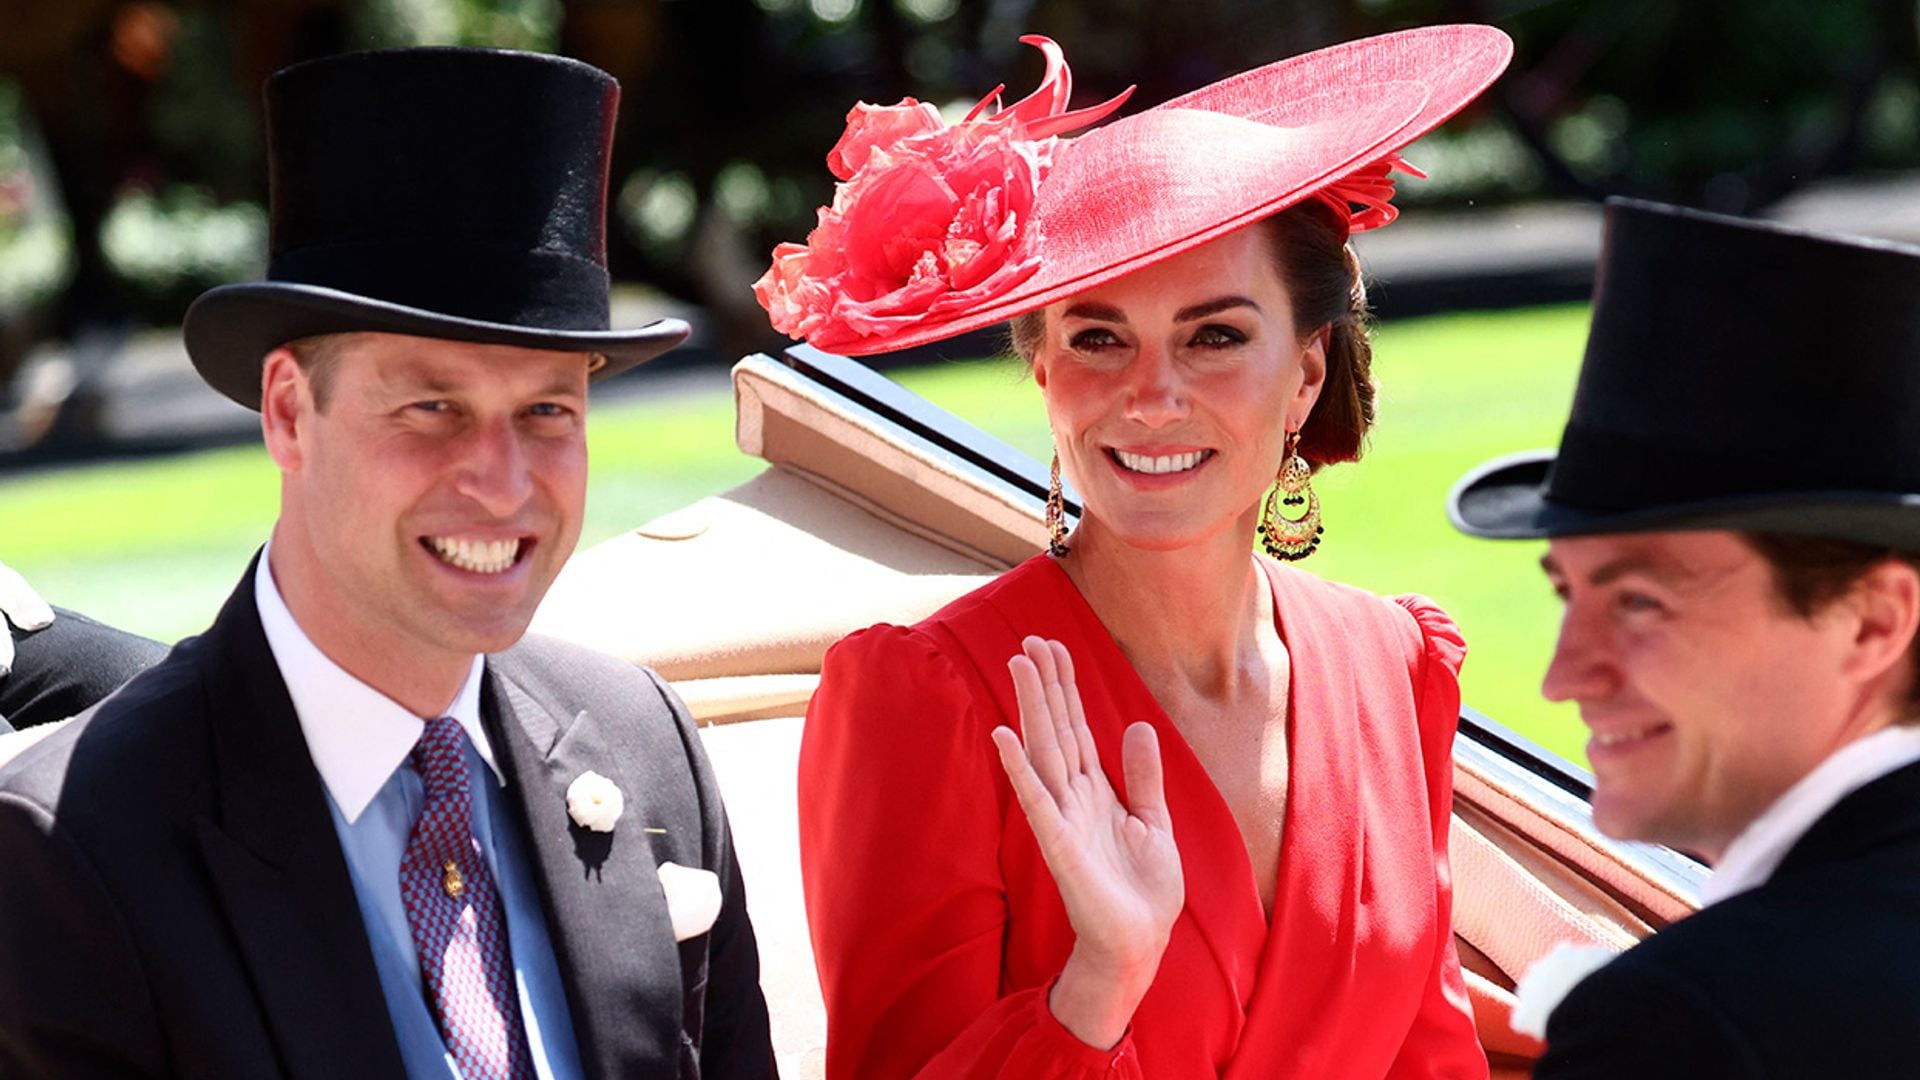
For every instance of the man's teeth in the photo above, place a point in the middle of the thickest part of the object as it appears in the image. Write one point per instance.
(1169, 463)
(479, 556)
(1615, 738)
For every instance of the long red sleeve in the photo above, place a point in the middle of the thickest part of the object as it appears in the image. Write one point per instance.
(901, 808)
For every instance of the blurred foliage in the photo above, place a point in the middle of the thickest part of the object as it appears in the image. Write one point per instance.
(33, 243)
(730, 105)
(16, 186)
(179, 242)
(1728, 104)
(205, 126)
(533, 25)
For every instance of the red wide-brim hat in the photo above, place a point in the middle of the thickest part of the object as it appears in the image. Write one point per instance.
(937, 230)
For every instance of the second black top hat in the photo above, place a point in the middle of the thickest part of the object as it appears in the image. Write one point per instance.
(1738, 375)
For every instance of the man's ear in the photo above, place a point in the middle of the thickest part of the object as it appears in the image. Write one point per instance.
(1885, 602)
(286, 403)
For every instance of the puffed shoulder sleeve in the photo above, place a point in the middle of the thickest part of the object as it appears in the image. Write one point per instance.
(1441, 642)
(1433, 666)
(901, 808)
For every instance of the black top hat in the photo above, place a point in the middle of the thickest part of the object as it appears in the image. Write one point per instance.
(447, 193)
(1738, 375)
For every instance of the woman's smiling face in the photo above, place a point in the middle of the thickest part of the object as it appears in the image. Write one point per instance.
(1170, 391)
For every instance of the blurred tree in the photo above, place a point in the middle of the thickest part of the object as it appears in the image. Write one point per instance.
(730, 105)
(1724, 104)
(142, 93)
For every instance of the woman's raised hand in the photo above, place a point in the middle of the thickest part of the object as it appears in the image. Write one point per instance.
(1116, 866)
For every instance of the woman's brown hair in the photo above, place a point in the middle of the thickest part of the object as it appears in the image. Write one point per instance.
(1323, 279)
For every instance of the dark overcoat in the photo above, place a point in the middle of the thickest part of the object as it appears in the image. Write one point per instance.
(1814, 974)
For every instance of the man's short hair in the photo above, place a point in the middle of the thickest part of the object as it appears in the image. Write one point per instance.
(1810, 572)
(318, 357)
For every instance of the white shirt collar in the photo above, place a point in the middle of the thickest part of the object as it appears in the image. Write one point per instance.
(357, 735)
(1756, 853)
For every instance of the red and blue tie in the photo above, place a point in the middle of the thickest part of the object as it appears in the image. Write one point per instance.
(454, 912)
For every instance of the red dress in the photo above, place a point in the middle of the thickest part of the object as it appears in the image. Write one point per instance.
(938, 929)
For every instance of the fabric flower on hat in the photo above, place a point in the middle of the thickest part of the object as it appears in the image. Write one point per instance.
(1371, 189)
(927, 218)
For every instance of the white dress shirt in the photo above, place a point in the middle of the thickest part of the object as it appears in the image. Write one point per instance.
(1756, 853)
(362, 742)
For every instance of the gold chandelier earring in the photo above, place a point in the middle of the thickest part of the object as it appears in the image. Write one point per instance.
(1056, 513)
(1291, 538)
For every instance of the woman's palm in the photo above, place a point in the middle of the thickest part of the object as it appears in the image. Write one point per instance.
(1117, 867)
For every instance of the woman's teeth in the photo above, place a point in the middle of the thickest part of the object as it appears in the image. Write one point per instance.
(1168, 463)
(478, 556)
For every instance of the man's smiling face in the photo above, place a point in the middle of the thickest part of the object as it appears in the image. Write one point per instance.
(1706, 695)
(431, 491)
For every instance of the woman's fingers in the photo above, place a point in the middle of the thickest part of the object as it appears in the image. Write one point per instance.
(1037, 727)
(1043, 814)
(1089, 754)
(1140, 764)
(1041, 652)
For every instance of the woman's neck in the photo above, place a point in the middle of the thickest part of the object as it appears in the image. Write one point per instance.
(1193, 618)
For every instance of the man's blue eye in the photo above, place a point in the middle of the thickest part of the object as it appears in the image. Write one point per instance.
(1638, 602)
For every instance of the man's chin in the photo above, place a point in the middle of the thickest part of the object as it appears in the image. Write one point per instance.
(1636, 819)
(495, 638)
(471, 632)
(1620, 817)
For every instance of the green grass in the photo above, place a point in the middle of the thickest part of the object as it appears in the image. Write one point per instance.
(155, 546)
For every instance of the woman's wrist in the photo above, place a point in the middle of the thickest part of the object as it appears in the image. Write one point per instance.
(1095, 998)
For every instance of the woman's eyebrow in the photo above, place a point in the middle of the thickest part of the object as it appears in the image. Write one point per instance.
(1213, 307)
(1088, 309)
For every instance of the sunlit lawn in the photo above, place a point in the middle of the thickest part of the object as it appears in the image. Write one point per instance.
(155, 546)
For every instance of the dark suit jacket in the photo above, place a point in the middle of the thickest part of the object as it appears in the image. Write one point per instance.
(174, 902)
(1814, 974)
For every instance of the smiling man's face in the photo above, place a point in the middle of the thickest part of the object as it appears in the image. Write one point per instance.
(429, 502)
(1706, 695)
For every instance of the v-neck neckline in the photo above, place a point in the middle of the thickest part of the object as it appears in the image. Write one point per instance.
(1232, 920)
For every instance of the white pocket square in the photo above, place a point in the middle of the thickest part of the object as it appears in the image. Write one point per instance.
(693, 898)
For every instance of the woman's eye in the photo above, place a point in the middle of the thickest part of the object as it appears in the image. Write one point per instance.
(1213, 336)
(1093, 339)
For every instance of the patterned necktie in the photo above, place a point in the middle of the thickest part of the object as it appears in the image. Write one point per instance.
(455, 915)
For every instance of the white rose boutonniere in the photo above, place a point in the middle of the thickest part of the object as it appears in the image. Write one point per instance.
(595, 802)
(1551, 978)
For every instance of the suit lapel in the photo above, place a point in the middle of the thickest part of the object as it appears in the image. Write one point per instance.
(606, 913)
(277, 867)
